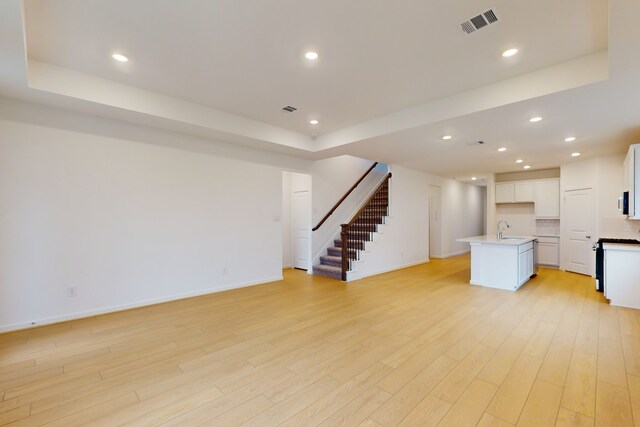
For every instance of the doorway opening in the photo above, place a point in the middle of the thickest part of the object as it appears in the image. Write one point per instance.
(296, 220)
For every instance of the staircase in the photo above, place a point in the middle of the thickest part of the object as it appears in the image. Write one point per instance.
(355, 235)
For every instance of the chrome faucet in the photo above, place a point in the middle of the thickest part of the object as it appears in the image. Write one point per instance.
(499, 230)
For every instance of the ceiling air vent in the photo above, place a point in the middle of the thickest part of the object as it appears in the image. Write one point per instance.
(490, 16)
(289, 109)
(480, 21)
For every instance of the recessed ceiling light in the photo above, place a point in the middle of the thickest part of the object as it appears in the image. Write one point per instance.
(509, 52)
(447, 137)
(501, 149)
(313, 122)
(120, 57)
(519, 161)
(570, 139)
(535, 119)
(311, 55)
(575, 154)
(527, 167)
(473, 178)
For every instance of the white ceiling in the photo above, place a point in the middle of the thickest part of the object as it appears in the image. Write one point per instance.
(392, 77)
(600, 128)
(246, 57)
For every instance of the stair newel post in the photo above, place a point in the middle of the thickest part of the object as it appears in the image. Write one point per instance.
(344, 235)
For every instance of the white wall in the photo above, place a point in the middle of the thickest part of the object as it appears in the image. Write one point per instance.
(463, 205)
(85, 123)
(484, 210)
(463, 214)
(405, 240)
(605, 175)
(609, 222)
(521, 217)
(491, 211)
(132, 215)
(126, 223)
(178, 197)
(334, 177)
(579, 175)
(331, 179)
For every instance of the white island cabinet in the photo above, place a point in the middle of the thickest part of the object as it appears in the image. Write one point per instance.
(507, 263)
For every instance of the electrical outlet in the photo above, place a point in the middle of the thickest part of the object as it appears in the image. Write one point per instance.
(72, 291)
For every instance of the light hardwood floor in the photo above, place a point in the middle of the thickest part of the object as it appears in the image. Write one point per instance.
(414, 347)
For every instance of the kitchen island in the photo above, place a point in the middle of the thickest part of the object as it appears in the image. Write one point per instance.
(505, 263)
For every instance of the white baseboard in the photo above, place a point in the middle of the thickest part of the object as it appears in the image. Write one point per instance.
(454, 254)
(484, 285)
(138, 304)
(387, 270)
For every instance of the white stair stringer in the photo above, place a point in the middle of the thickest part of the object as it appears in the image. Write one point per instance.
(369, 247)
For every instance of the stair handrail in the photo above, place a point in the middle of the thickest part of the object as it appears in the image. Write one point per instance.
(342, 199)
(346, 228)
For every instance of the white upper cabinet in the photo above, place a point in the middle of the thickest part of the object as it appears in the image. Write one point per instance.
(547, 199)
(628, 169)
(632, 180)
(523, 192)
(519, 192)
(505, 193)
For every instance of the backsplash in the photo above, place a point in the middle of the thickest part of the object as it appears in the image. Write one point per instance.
(522, 220)
(549, 227)
(619, 227)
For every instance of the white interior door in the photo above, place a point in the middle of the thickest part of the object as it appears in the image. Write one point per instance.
(435, 222)
(579, 228)
(301, 229)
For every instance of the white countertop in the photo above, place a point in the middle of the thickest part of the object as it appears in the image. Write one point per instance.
(555, 236)
(493, 240)
(621, 247)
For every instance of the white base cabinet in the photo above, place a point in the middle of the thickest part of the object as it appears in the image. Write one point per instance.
(549, 251)
(622, 275)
